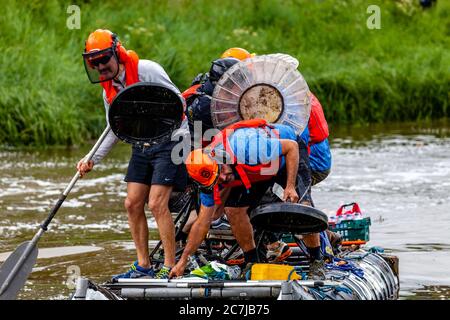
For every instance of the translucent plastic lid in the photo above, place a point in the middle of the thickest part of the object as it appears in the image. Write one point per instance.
(268, 87)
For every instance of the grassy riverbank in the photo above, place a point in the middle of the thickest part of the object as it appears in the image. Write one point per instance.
(399, 72)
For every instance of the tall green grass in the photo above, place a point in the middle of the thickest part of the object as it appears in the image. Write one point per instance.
(400, 72)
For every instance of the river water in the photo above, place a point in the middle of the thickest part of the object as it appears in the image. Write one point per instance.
(398, 173)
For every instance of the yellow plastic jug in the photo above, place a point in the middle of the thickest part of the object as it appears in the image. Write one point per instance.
(267, 271)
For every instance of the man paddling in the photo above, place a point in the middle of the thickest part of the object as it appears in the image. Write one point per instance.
(151, 173)
(257, 155)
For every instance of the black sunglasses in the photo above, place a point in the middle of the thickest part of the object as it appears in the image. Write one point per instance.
(102, 60)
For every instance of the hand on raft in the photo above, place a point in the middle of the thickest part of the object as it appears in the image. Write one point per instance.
(178, 269)
(290, 195)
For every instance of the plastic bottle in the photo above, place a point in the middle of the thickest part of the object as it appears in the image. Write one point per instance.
(193, 262)
(234, 272)
(357, 216)
(349, 216)
(332, 220)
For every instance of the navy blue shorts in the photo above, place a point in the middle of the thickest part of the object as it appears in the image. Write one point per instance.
(153, 165)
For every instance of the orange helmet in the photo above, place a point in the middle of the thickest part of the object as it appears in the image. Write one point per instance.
(202, 168)
(99, 40)
(237, 53)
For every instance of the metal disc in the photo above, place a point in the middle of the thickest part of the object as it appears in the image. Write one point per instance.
(268, 87)
(289, 217)
(145, 112)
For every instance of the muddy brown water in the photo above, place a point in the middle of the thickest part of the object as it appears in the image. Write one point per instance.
(398, 173)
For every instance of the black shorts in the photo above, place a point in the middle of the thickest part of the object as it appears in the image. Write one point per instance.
(261, 192)
(318, 176)
(153, 165)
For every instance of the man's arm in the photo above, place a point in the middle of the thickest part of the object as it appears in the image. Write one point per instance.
(105, 147)
(110, 139)
(289, 149)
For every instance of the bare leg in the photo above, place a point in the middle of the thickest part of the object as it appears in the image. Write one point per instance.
(241, 227)
(159, 206)
(192, 218)
(219, 210)
(312, 240)
(135, 203)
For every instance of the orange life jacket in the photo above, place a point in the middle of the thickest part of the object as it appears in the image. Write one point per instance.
(130, 60)
(248, 174)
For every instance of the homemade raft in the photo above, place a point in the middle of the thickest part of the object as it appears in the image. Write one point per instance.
(268, 87)
(376, 281)
(352, 274)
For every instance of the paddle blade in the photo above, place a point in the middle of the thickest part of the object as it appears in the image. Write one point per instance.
(18, 280)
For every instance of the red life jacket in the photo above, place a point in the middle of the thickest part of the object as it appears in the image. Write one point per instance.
(248, 174)
(317, 125)
(190, 93)
(130, 61)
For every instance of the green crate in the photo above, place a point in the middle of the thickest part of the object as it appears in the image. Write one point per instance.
(353, 230)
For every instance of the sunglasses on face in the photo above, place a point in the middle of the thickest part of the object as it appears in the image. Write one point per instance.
(101, 60)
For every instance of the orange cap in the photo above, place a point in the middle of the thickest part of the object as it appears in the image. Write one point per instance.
(237, 53)
(202, 168)
(98, 40)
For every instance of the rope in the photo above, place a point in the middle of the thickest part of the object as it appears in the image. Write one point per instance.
(348, 266)
(296, 269)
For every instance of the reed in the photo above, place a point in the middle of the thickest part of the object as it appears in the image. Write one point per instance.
(397, 73)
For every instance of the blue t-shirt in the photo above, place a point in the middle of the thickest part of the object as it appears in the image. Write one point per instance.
(320, 153)
(253, 146)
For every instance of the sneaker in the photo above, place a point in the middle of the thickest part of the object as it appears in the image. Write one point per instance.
(316, 270)
(163, 273)
(222, 224)
(278, 253)
(135, 271)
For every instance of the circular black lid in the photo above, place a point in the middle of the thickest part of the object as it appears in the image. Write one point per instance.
(289, 217)
(145, 112)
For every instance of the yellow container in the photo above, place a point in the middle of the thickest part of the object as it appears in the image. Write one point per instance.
(267, 271)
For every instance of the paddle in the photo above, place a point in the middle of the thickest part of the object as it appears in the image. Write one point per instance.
(15, 270)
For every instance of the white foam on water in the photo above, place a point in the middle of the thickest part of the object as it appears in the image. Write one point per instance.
(13, 186)
(90, 195)
(76, 217)
(129, 245)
